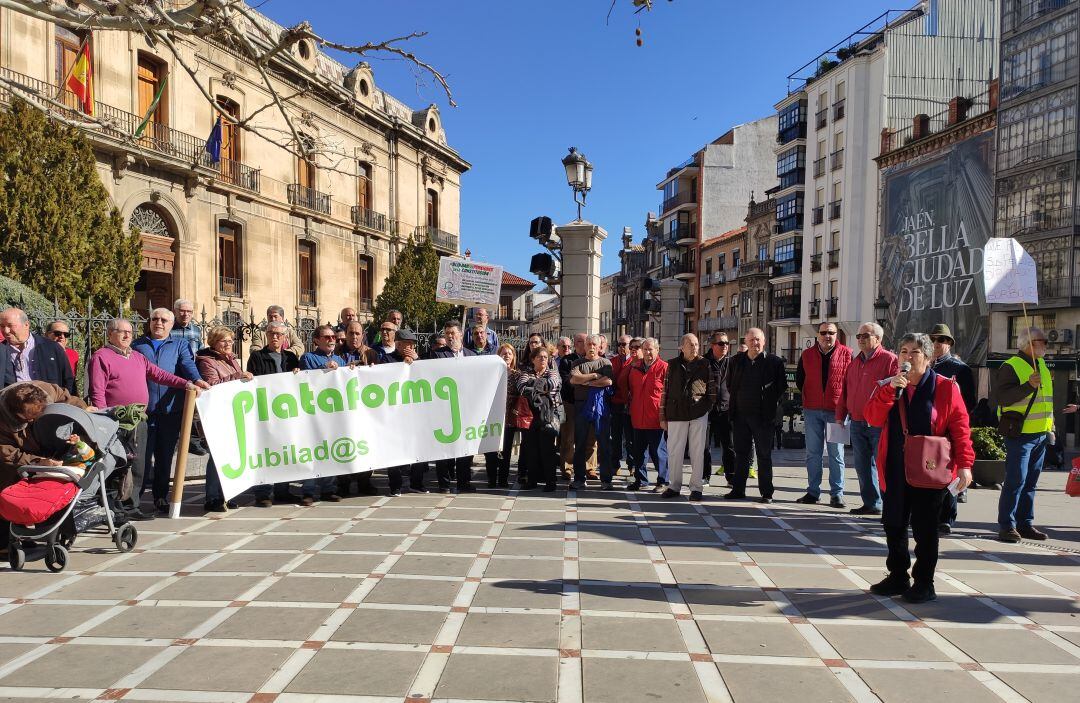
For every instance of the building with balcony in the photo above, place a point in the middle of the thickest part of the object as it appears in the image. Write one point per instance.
(898, 65)
(511, 317)
(760, 267)
(631, 302)
(261, 226)
(717, 305)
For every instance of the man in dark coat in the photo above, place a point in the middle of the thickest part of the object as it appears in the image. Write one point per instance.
(950, 366)
(32, 357)
(273, 358)
(7, 371)
(461, 467)
(720, 415)
(758, 380)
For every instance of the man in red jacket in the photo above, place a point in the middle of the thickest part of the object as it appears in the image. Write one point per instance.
(646, 383)
(820, 377)
(872, 364)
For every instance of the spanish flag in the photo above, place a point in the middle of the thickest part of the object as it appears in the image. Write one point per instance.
(81, 79)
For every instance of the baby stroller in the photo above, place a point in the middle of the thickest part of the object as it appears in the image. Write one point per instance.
(50, 539)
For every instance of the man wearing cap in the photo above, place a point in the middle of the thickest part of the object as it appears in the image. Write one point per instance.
(950, 366)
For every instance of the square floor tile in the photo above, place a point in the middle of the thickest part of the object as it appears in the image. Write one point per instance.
(397, 626)
(255, 562)
(39, 620)
(481, 514)
(669, 535)
(629, 572)
(1044, 610)
(710, 554)
(469, 529)
(769, 639)
(385, 527)
(519, 594)
(620, 681)
(101, 587)
(1041, 687)
(358, 672)
(278, 541)
(81, 666)
(727, 574)
(631, 634)
(447, 545)
(765, 682)
(611, 549)
(600, 530)
(1004, 582)
(776, 536)
(198, 540)
(829, 604)
(503, 678)
(158, 622)
(530, 547)
(168, 562)
(1007, 646)
(220, 668)
(533, 569)
(281, 623)
(414, 592)
(883, 643)
(541, 517)
(800, 578)
(19, 584)
(729, 601)
(12, 651)
(906, 686)
(950, 608)
(426, 565)
(309, 589)
(631, 599)
(197, 587)
(235, 524)
(364, 543)
(314, 527)
(340, 564)
(510, 630)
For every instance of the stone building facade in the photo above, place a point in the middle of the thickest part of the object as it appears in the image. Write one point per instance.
(261, 226)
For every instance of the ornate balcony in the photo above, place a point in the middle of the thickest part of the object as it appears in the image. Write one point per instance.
(439, 239)
(367, 219)
(308, 198)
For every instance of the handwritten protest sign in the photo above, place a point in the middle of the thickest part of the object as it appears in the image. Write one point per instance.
(289, 427)
(468, 283)
(1009, 272)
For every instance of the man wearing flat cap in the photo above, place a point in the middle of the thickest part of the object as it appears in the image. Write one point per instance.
(950, 366)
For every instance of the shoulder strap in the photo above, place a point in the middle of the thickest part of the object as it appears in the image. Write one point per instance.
(903, 412)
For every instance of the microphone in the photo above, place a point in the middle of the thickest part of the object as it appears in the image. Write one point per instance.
(904, 368)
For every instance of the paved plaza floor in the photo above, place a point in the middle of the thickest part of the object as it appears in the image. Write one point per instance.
(608, 597)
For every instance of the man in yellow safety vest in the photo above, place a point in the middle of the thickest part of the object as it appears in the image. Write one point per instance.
(1023, 385)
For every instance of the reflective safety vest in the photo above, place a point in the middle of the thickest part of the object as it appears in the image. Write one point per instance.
(1041, 417)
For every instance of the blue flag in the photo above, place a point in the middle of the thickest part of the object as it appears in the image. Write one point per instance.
(213, 142)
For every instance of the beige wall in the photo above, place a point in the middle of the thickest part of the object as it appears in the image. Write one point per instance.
(406, 155)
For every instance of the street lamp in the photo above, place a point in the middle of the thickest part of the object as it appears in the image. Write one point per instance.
(578, 176)
(881, 309)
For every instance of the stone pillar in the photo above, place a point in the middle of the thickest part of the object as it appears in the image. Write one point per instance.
(672, 319)
(580, 277)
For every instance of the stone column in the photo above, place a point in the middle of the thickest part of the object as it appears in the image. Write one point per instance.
(580, 277)
(672, 298)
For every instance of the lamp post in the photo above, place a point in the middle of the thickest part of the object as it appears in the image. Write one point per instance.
(578, 176)
(881, 309)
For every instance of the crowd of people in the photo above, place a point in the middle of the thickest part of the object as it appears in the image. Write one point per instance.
(586, 412)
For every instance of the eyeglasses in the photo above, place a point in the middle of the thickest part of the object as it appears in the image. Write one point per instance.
(941, 340)
(827, 333)
(1040, 341)
(327, 336)
(159, 319)
(387, 329)
(862, 335)
(721, 343)
(60, 333)
(624, 344)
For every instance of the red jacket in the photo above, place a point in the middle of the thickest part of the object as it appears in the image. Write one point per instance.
(646, 389)
(618, 363)
(860, 382)
(950, 420)
(814, 397)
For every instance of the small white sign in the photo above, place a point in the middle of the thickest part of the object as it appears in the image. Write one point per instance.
(469, 283)
(1009, 272)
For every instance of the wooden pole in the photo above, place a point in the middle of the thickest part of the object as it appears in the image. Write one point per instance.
(182, 454)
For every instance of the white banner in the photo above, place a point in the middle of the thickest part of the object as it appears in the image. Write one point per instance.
(290, 427)
(1009, 272)
(468, 283)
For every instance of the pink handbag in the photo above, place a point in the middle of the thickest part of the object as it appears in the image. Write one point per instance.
(926, 457)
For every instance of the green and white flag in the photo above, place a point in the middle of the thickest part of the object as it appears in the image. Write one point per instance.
(290, 427)
(152, 109)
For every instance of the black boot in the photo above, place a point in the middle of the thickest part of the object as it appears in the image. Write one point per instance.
(892, 585)
(920, 593)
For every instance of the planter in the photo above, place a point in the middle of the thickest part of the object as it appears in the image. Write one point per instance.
(987, 472)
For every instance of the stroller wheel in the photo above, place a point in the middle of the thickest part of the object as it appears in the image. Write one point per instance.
(126, 537)
(16, 556)
(56, 558)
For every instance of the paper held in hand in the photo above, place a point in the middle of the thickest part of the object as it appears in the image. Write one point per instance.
(1009, 272)
(835, 432)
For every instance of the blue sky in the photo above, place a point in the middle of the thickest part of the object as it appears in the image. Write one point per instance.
(534, 77)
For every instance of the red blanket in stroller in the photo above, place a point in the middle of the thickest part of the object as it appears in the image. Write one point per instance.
(31, 502)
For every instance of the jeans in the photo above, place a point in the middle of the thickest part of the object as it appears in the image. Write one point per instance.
(648, 440)
(138, 464)
(582, 425)
(162, 433)
(816, 423)
(864, 443)
(280, 491)
(679, 434)
(1023, 465)
(753, 435)
(622, 437)
(213, 483)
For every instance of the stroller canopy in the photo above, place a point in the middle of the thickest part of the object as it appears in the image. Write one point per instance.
(60, 421)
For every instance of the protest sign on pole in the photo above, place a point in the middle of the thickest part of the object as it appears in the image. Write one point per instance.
(1009, 272)
(290, 427)
(468, 283)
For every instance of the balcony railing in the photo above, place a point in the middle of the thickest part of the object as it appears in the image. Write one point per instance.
(368, 219)
(837, 159)
(727, 322)
(308, 198)
(679, 267)
(719, 277)
(788, 310)
(230, 286)
(307, 297)
(815, 309)
(120, 125)
(817, 215)
(815, 262)
(832, 308)
(819, 167)
(439, 239)
(834, 258)
(706, 280)
(821, 118)
(682, 198)
(688, 304)
(838, 110)
(834, 209)
(685, 230)
(756, 268)
(1037, 221)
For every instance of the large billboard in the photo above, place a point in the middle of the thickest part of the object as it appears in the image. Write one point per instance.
(937, 214)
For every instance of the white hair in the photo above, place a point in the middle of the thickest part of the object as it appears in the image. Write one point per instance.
(594, 339)
(1026, 334)
(687, 337)
(652, 341)
(875, 329)
(115, 322)
(163, 311)
(182, 301)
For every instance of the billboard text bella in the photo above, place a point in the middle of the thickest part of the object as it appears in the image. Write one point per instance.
(284, 406)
